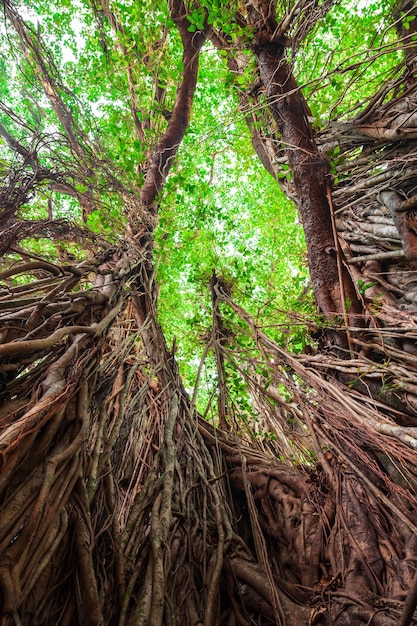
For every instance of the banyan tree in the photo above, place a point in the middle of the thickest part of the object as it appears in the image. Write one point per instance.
(286, 493)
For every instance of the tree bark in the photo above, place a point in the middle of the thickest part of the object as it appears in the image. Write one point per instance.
(333, 285)
(167, 148)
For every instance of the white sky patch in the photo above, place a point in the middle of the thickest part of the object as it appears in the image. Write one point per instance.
(362, 6)
(67, 53)
(29, 15)
(98, 108)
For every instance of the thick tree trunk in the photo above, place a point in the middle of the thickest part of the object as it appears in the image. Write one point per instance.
(333, 286)
(120, 504)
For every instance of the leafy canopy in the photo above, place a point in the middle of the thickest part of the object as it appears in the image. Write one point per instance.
(117, 67)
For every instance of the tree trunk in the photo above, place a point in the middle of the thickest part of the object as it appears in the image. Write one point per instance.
(310, 170)
(120, 503)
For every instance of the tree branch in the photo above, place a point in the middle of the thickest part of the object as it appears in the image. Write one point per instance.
(171, 140)
(310, 170)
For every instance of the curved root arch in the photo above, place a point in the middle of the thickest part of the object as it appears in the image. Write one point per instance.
(115, 499)
(121, 505)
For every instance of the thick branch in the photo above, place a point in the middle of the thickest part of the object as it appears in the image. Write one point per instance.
(168, 146)
(219, 339)
(332, 283)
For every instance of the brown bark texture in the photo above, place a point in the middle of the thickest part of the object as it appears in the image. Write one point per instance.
(310, 170)
(121, 504)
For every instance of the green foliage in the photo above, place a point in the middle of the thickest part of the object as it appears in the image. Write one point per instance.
(220, 209)
(346, 58)
(220, 15)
